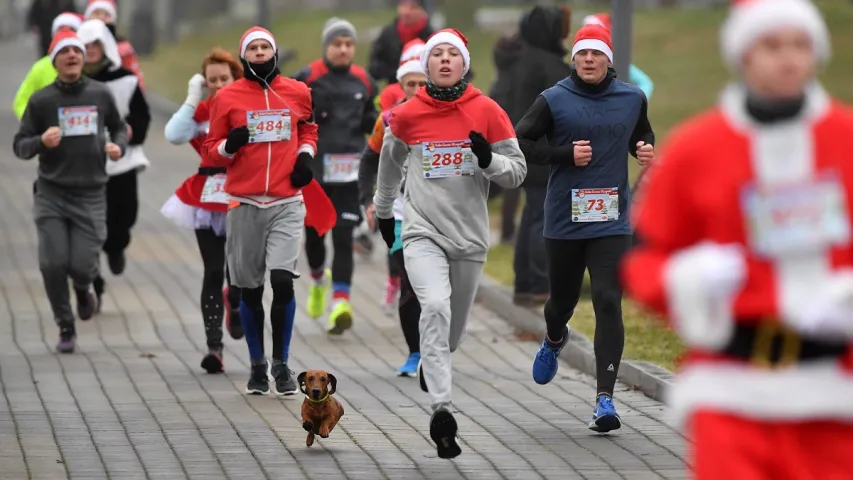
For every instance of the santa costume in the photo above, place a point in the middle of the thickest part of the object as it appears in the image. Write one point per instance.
(747, 251)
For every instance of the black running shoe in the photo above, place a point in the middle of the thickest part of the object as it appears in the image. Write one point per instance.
(117, 262)
(67, 338)
(212, 362)
(442, 430)
(283, 383)
(259, 382)
(86, 303)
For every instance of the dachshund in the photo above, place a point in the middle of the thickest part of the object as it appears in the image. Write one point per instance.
(320, 411)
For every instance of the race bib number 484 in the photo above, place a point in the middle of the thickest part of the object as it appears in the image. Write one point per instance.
(595, 204)
(78, 121)
(448, 159)
(797, 218)
(268, 125)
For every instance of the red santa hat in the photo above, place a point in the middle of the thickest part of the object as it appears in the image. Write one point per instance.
(602, 19)
(453, 37)
(410, 60)
(108, 5)
(593, 37)
(62, 39)
(749, 20)
(70, 20)
(252, 34)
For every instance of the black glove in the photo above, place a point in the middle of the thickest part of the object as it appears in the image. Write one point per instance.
(481, 148)
(302, 173)
(237, 138)
(386, 228)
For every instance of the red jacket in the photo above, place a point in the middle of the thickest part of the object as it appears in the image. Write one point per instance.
(701, 190)
(261, 169)
(390, 96)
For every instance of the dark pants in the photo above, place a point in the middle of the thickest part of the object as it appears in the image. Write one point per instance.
(510, 206)
(212, 248)
(409, 308)
(531, 263)
(343, 263)
(567, 261)
(122, 209)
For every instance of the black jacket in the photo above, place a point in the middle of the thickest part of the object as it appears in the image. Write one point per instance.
(41, 15)
(386, 50)
(539, 65)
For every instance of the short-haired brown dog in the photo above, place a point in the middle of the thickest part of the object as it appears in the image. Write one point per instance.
(320, 411)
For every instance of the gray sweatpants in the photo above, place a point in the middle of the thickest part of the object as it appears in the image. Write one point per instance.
(261, 239)
(446, 289)
(72, 226)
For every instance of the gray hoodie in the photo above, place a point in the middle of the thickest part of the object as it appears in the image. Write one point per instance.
(78, 160)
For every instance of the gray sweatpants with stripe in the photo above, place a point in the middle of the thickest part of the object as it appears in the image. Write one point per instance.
(71, 223)
(446, 289)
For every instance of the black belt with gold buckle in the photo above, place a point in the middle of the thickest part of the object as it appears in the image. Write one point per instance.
(772, 344)
(210, 171)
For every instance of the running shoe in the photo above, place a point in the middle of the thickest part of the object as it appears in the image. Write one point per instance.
(212, 362)
(392, 294)
(443, 430)
(604, 417)
(232, 317)
(259, 381)
(410, 368)
(546, 363)
(318, 294)
(283, 382)
(86, 303)
(340, 320)
(67, 338)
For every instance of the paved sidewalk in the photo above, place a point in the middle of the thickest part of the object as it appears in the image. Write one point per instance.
(134, 403)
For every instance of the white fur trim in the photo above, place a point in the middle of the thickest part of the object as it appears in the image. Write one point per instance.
(221, 150)
(592, 44)
(101, 5)
(65, 20)
(134, 159)
(256, 35)
(97, 31)
(412, 66)
(306, 148)
(747, 23)
(446, 37)
(593, 20)
(810, 391)
(415, 52)
(67, 42)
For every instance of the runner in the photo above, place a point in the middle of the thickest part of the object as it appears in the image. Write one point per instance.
(107, 10)
(64, 124)
(588, 203)
(343, 95)
(262, 131)
(411, 77)
(446, 233)
(104, 65)
(200, 204)
(753, 277)
(635, 75)
(42, 72)
(393, 93)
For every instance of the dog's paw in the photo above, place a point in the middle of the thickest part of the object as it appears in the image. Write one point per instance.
(324, 433)
(308, 426)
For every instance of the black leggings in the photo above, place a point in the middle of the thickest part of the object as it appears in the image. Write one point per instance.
(122, 210)
(394, 268)
(212, 248)
(567, 261)
(409, 308)
(342, 263)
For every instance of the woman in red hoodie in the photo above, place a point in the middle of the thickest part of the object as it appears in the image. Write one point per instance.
(453, 141)
(262, 131)
(200, 204)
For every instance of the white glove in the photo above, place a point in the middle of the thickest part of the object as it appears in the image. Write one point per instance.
(195, 90)
(830, 316)
(702, 282)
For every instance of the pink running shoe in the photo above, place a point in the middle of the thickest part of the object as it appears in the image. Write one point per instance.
(392, 293)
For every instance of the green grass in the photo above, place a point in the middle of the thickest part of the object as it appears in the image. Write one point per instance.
(679, 49)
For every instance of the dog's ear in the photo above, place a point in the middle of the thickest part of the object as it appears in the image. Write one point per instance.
(300, 379)
(334, 383)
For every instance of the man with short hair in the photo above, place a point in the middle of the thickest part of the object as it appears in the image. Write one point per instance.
(412, 22)
(592, 122)
(747, 250)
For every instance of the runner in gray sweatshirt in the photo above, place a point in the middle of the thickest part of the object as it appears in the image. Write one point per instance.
(64, 124)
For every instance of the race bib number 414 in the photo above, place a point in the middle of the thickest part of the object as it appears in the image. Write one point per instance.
(595, 204)
(78, 121)
(448, 159)
(268, 125)
(798, 218)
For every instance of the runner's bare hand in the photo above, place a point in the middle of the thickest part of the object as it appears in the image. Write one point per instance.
(645, 153)
(51, 137)
(370, 213)
(113, 151)
(582, 153)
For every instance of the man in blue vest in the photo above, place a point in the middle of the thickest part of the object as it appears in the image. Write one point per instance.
(592, 122)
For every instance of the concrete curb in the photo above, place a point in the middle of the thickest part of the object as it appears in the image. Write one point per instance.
(650, 379)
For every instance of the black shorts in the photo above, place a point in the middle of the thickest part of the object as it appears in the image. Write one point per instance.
(344, 197)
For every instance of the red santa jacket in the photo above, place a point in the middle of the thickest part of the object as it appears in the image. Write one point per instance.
(702, 190)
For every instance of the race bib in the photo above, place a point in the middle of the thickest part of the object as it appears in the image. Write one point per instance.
(797, 218)
(448, 159)
(268, 125)
(340, 168)
(78, 121)
(214, 190)
(595, 204)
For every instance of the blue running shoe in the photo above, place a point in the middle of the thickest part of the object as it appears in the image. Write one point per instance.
(604, 417)
(410, 368)
(545, 364)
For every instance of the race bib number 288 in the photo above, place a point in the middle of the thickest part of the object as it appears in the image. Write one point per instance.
(447, 159)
